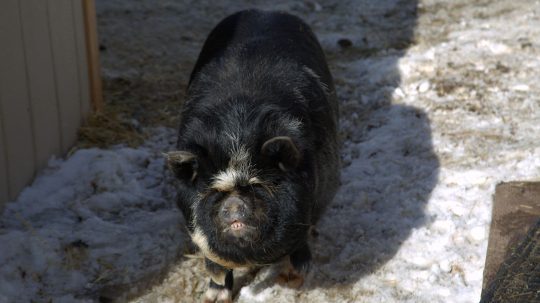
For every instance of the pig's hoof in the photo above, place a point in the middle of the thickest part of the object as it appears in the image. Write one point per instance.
(213, 295)
(290, 278)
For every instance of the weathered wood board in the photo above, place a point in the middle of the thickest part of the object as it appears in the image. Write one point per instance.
(514, 243)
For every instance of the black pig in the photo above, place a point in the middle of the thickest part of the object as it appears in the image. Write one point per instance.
(257, 152)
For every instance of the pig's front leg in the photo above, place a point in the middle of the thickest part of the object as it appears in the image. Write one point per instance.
(221, 283)
(300, 261)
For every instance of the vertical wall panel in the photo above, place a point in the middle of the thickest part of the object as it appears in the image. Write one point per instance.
(44, 84)
(65, 66)
(4, 188)
(14, 97)
(92, 49)
(84, 84)
(40, 72)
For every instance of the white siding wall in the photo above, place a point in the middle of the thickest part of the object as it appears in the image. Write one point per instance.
(44, 89)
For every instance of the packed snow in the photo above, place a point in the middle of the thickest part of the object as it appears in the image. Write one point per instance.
(100, 217)
(439, 103)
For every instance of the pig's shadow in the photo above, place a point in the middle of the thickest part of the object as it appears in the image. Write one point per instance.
(389, 167)
(385, 187)
(382, 198)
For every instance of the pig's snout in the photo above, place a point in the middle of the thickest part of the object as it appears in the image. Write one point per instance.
(233, 211)
(238, 220)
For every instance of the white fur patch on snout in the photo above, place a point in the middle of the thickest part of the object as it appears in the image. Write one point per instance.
(238, 172)
(227, 180)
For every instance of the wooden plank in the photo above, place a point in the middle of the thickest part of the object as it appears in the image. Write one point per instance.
(82, 58)
(4, 187)
(66, 71)
(516, 208)
(92, 49)
(40, 70)
(15, 100)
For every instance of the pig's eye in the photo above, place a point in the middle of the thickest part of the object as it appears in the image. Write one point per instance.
(183, 164)
(282, 151)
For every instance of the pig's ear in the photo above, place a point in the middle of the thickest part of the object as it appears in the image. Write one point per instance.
(183, 164)
(282, 150)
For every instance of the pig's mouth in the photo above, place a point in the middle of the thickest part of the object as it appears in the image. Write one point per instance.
(240, 230)
(237, 225)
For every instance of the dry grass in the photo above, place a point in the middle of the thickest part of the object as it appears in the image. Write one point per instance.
(131, 106)
(107, 128)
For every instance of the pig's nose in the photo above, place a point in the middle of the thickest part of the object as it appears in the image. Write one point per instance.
(233, 209)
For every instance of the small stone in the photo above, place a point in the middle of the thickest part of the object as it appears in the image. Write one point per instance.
(443, 226)
(420, 262)
(502, 68)
(445, 266)
(477, 234)
(458, 210)
(344, 43)
(398, 93)
(423, 87)
(521, 87)
(444, 292)
(314, 6)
